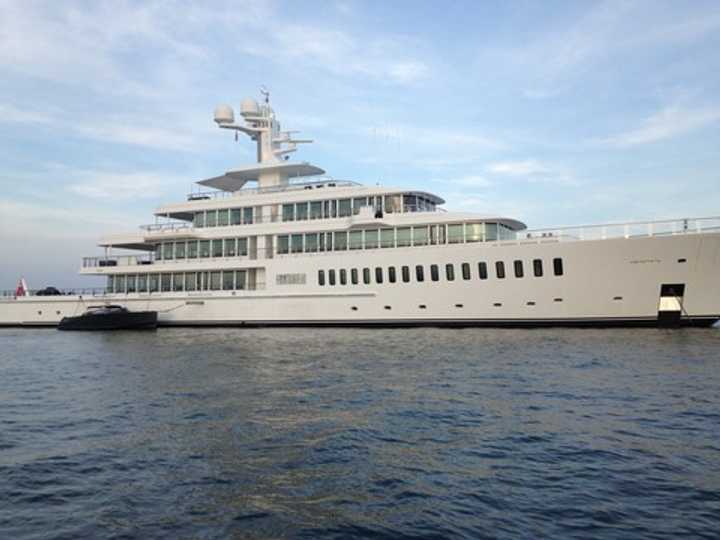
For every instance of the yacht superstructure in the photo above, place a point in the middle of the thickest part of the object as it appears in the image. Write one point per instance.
(297, 248)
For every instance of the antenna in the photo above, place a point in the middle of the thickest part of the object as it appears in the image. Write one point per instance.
(264, 91)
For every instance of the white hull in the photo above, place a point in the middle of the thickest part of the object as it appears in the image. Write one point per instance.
(605, 282)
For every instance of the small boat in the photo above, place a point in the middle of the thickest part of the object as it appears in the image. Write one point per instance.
(110, 317)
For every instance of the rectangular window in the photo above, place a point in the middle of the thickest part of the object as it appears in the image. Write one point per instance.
(154, 283)
(178, 282)
(455, 234)
(387, 238)
(165, 282)
(420, 236)
(331, 277)
(500, 269)
(120, 284)
(248, 216)
(406, 274)
(518, 265)
(192, 249)
(301, 211)
(167, 251)
(296, 243)
(179, 250)
(434, 272)
(158, 252)
(420, 273)
(340, 239)
(240, 279)
(558, 266)
(343, 277)
(311, 243)
(392, 278)
(204, 248)
(228, 280)
(142, 285)
(223, 217)
(344, 207)
(371, 239)
(403, 236)
(110, 284)
(321, 278)
(473, 232)
(465, 270)
(288, 212)
(537, 267)
(354, 276)
(236, 216)
(283, 244)
(356, 238)
(131, 283)
(358, 203)
(316, 210)
(199, 219)
(217, 247)
(450, 272)
(230, 248)
(378, 275)
(190, 281)
(333, 209)
(242, 247)
(326, 209)
(211, 218)
(482, 270)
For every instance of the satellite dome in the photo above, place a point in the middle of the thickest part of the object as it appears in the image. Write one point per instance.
(224, 114)
(249, 107)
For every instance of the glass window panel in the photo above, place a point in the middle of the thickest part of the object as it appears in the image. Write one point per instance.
(491, 232)
(450, 272)
(301, 211)
(316, 210)
(211, 218)
(406, 274)
(142, 284)
(378, 275)
(296, 243)
(500, 269)
(410, 203)
(190, 281)
(331, 277)
(358, 203)
(223, 217)
(154, 282)
(340, 239)
(167, 251)
(392, 277)
(179, 250)
(482, 270)
(311, 243)
(455, 234)
(558, 267)
(366, 276)
(420, 236)
(131, 283)
(343, 277)
(403, 236)
(356, 238)
(537, 267)
(321, 277)
(420, 272)
(326, 209)
(158, 252)
(344, 207)
(288, 212)
(248, 217)
(242, 247)
(434, 273)
(228, 280)
(199, 219)
(217, 247)
(110, 284)
(473, 232)
(518, 265)
(204, 248)
(230, 247)
(393, 203)
(371, 239)
(165, 282)
(387, 238)
(354, 276)
(178, 282)
(120, 283)
(192, 249)
(240, 279)
(465, 270)
(333, 208)
(283, 244)
(236, 216)
(215, 281)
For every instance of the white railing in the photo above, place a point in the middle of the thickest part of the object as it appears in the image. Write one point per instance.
(292, 186)
(624, 230)
(120, 260)
(166, 227)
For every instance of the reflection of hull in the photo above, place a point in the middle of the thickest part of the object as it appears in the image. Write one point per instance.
(649, 281)
(127, 320)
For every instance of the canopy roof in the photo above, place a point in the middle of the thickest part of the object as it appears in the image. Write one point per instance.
(234, 180)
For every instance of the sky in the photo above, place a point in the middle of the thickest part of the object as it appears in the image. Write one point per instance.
(553, 113)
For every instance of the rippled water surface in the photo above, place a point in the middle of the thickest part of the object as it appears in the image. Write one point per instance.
(336, 433)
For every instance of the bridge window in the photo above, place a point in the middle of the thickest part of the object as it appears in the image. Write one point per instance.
(235, 216)
(131, 282)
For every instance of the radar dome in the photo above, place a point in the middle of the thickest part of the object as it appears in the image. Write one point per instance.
(249, 107)
(224, 114)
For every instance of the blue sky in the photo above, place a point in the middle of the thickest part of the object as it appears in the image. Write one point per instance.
(555, 113)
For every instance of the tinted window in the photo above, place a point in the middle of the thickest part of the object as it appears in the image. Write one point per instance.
(391, 275)
(450, 272)
(343, 277)
(354, 276)
(500, 269)
(537, 268)
(482, 270)
(558, 266)
(466, 271)
(518, 268)
(378, 275)
(366, 276)
(434, 273)
(331, 277)
(420, 273)
(406, 274)
(321, 277)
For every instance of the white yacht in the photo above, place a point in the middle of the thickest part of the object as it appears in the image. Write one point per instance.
(278, 243)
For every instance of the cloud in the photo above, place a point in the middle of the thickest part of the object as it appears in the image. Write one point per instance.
(474, 181)
(10, 114)
(118, 186)
(664, 124)
(519, 168)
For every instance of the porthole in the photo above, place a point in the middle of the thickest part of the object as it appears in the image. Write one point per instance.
(497, 304)
(458, 305)
(682, 260)
(618, 298)
(39, 312)
(57, 313)
(557, 299)
(422, 306)
(530, 303)
(354, 308)
(388, 307)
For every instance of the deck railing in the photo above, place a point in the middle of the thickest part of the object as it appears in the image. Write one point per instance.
(293, 186)
(635, 229)
(119, 260)
(80, 291)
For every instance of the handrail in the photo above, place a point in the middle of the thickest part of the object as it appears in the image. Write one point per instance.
(84, 291)
(292, 186)
(118, 260)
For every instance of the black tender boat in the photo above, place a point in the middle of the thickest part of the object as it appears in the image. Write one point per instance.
(110, 317)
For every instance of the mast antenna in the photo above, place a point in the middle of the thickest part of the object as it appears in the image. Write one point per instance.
(265, 92)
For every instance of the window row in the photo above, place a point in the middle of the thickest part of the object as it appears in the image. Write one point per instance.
(378, 275)
(223, 217)
(200, 249)
(346, 207)
(226, 280)
(455, 233)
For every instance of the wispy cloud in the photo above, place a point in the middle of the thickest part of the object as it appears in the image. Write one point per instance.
(664, 124)
(118, 186)
(519, 168)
